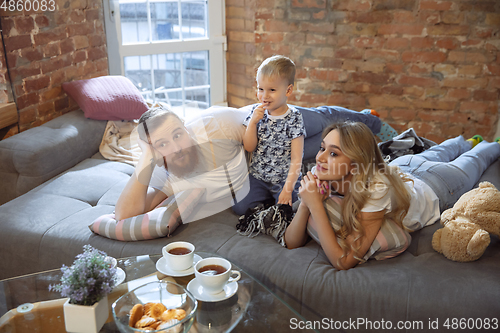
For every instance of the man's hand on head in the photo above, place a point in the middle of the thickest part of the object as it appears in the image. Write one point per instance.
(149, 154)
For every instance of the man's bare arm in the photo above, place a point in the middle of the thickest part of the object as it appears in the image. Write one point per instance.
(137, 197)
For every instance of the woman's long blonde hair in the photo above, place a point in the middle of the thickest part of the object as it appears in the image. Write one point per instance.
(358, 143)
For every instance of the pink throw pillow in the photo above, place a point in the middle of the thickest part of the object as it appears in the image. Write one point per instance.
(107, 98)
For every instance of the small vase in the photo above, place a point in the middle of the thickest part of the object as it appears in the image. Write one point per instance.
(84, 318)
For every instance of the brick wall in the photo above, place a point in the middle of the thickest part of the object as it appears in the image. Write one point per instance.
(430, 65)
(5, 95)
(45, 49)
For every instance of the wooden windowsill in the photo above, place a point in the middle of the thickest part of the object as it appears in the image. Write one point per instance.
(8, 114)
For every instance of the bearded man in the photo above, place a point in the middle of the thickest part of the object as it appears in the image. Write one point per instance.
(204, 156)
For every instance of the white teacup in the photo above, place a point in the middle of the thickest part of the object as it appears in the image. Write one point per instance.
(112, 262)
(213, 281)
(177, 257)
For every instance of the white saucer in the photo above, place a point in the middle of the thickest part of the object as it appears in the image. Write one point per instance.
(120, 276)
(161, 266)
(197, 290)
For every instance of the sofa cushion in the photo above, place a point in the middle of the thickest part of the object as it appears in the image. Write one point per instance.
(34, 156)
(318, 118)
(107, 98)
(88, 181)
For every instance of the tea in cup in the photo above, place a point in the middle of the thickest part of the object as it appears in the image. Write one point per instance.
(179, 255)
(214, 273)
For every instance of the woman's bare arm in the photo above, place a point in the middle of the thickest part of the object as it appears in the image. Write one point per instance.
(295, 234)
(371, 223)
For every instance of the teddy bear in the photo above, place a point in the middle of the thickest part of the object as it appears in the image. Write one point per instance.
(468, 225)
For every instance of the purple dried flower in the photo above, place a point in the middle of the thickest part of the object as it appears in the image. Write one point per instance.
(88, 280)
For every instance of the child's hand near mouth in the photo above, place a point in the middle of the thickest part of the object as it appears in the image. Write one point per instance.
(258, 113)
(265, 105)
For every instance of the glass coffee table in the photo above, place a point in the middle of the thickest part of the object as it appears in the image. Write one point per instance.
(27, 305)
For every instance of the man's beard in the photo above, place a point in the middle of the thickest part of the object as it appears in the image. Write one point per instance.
(186, 166)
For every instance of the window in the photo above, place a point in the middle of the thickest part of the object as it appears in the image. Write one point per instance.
(172, 50)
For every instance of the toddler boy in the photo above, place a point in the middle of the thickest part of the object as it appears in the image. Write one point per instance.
(275, 135)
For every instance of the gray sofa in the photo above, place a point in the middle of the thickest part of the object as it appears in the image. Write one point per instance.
(56, 183)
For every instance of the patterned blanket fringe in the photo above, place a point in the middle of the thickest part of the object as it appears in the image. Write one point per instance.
(271, 221)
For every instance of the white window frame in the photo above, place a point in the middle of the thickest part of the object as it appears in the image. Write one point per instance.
(215, 44)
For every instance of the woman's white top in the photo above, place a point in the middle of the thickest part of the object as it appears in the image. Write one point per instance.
(424, 204)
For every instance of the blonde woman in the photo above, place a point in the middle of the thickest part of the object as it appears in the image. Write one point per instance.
(407, 195)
